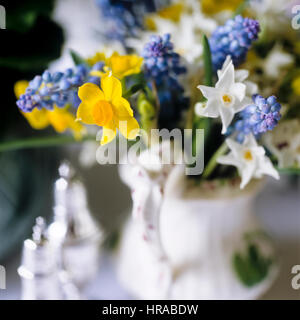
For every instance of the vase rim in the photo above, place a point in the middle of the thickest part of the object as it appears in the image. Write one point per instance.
(210, 190)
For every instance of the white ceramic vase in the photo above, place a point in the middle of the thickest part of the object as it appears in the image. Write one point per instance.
(215, 247)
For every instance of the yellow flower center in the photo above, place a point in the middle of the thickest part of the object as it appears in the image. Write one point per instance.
(102, 112)
(248, 155)
(227, 99)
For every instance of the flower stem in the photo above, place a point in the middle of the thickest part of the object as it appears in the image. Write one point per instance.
(213, 160)
(41, 142)
(155, 92)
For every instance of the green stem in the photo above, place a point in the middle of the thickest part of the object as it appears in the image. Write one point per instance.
(41, 142)
(291, 171)
(213, 160)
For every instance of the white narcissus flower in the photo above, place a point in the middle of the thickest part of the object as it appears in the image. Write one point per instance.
(240, 76)
(186, 33)
(276, 61)
(284, 143)
(250, 160)
(275, 16)
(225, 99)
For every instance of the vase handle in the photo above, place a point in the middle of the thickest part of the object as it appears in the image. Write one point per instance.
(147, 190)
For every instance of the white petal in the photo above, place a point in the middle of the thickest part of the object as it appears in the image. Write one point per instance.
(238, 89)
(250, 141)
(266, 167)
(235, 147)
(251, 88)
(199, 108)
(227, 115)
(225, 65)
(229, 159)
(239, 106)
(208, 92)
(241, 75)
(246, 174)
(211, 110)
(227, 78)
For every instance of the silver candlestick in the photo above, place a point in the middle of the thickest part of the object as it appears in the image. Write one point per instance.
(73, 228)
(41, 278)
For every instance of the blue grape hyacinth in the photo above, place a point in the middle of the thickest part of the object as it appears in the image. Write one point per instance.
(235, 39)
(161, 63)
(259, 117)
(125, 18)
(58, 88)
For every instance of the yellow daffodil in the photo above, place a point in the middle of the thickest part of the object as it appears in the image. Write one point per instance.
(59, 118)
(215, 6)
(107, 108)
(296, 85)
(97, 57)
(172, 12)
(120, 65)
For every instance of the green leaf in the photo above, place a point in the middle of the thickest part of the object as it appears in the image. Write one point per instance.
(40, 142)
(202, 122)
(77, 59)
(242, 6)
(208, 70)
(21, 17)
(132, 90)
(252, 267)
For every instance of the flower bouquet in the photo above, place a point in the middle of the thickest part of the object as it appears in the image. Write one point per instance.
(225, 80)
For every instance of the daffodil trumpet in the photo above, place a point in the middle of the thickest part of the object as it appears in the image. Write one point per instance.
(107, 108)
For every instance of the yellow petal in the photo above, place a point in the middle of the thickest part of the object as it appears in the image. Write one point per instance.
(108, 133)
(20, 87)
(102, 112)
(85, 113)
(98, 57)
(122, 66)
(214, 6)
(96, 73)
(122, 108)
(62, 119)
(172, 12)
(296, 86)
(37, 119)
(89, 92)
(129, 128)
(77, 129)
(111, 87)
(59, 119)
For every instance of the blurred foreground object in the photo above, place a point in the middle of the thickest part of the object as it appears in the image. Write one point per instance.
(73, 228)
(195, 240)
(40, 274)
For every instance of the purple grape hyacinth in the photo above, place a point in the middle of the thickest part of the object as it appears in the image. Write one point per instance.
(56, 88)
(234, 39)
(257, 118)
(161, 63)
